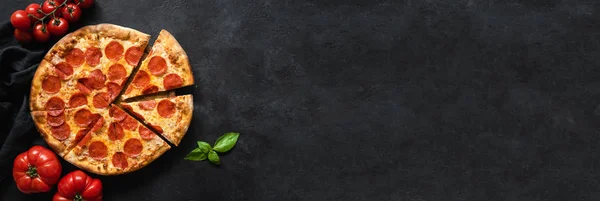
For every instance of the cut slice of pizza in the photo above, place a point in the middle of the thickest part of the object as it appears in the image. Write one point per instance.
(62, 129)
(169, 116)
(121, 144)
(119, 49)
(165, 67)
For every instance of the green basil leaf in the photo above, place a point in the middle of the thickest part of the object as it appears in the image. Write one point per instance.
(204, 146)
(214, 158)
(226, 142)
(196, 155)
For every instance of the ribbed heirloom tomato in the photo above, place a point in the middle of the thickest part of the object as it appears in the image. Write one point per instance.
(78, 186)
(36, 170)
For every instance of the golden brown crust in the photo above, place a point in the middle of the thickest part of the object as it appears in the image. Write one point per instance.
(67, 42)
(39, 119)
(149, 159)
(177, 56)
(186, 108)
(36, 84)
(122, 33)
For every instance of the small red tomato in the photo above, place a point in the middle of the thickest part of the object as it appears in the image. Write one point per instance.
(71, 13)
(22, 36)
(40, 33)
(32, 9)
(58, 26)
(19, 20)
(84, 3)
(36, 170)
(78, 186)
(48, 6)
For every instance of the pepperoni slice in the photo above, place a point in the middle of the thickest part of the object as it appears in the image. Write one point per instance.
(115, 131)
(117, 73)
(64, 70)
(128, 90)
(82, 88)
(61, 132)
(93, 55)
(77, 100)
(172, 81)
(119, 160)
(85, 139)
(51, 84)
(150, 89)
(133, 55)
(113, 90)
(101, 100)
(55, 106)
(96, 79)
(80, 134)
(99, 123)
(55, 121)
(114, 51)
(166, 108)
(130, 109)
(83, 117)
(141, 79)
(133, 147)
(75, 57)
(145, 133)
(157, 65)
(147, 105)
(117, 113)
(98, 150)
(129, 123)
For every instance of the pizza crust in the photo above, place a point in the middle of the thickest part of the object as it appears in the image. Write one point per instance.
(67, 42)
(36, 84)
(177, 56)
(39, 119)
(187, 109)
(122, 33)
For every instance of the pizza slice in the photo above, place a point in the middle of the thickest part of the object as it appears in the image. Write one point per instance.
(169, 116)
(120, 145)
(166, 67)
(62, 129)
(120, 49)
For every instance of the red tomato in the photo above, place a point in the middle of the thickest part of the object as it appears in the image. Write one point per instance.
(22, 36)
(58, 26)
(19, 20)
(36, 170)
(84, 3)
(40, 33)
(48, 6)
(32, 9)
(71, 12)
(78, 186)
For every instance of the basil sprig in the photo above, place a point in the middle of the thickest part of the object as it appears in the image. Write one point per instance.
(204, 150)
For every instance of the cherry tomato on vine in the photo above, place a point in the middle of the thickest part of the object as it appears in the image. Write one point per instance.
(41, 33)
(71, 13)
(19, 20)
(22, 36)
(32, 9)
(84, 3)
(58, 26)
(48, 6)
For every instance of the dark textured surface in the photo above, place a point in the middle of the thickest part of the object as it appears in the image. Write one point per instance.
(366, 100)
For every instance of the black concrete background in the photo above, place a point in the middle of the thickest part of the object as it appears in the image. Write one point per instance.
(369, 100)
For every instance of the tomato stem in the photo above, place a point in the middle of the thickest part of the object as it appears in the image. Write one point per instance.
(78, 197)
(32, 172)
(51, 13)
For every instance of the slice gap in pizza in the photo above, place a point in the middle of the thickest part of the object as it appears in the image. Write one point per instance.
(63, 129)
(166, 67)
(121, 145)
(168, 116)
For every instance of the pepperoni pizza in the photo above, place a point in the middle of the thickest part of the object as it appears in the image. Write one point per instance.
(74, 98)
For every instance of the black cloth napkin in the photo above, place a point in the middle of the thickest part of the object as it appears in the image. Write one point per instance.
(17, 67)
